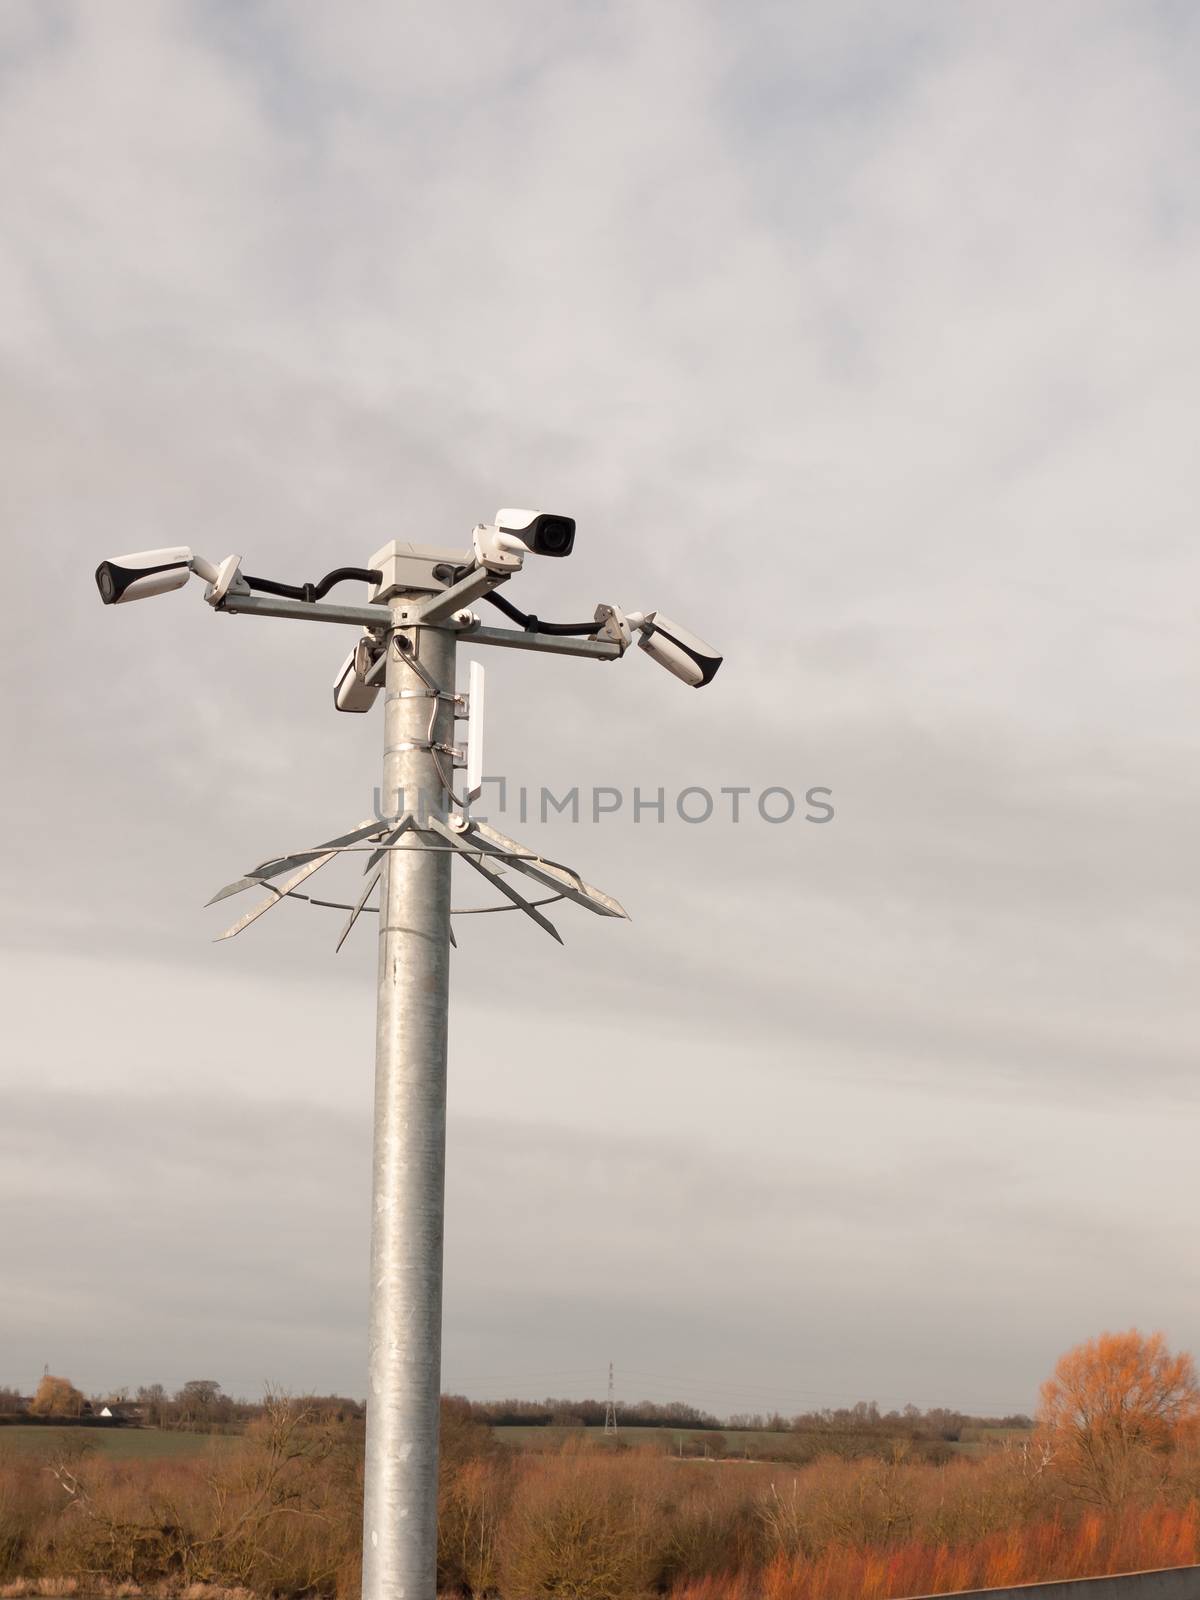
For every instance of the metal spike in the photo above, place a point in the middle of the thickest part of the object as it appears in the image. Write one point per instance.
(277, 864)
(567, 882)
(388, 839)
(353, 917)
(276, 895)
(486, 869)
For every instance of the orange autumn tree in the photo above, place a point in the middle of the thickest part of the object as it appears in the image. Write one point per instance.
(1114, 1409)
(57, 1397)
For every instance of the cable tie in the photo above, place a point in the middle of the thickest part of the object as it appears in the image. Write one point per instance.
(422, 744)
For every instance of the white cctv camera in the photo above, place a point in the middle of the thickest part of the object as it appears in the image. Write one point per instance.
(673, 647)
(143, 573)
(351, 690)
(501, 546)
(149, 572)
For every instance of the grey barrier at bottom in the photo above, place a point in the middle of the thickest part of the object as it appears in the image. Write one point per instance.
(1167, 1583)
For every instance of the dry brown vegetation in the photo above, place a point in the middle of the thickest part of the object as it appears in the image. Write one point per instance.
(280, 1514)
(277, 1516)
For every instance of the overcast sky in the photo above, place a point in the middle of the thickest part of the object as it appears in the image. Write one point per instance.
(862, 339)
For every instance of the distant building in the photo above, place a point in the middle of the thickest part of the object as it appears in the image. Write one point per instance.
(123, 1411)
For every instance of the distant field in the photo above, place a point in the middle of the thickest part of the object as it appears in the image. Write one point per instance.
(552, 1438)
(975, 1441)
(774, 1446)
(122, 1444)
(126, 1444)
(731, 1442)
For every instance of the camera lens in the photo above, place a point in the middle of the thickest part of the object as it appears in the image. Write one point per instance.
(556, 535)
(104, 582)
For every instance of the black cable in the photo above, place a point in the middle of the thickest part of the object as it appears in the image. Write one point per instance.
(533, 624)
(314, 591)
(310, 592)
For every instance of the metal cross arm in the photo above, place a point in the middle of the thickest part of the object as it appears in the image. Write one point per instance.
(550, 644)
(442, 608)
(255, 605)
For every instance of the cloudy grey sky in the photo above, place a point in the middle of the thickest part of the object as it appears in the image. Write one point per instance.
(863, 338)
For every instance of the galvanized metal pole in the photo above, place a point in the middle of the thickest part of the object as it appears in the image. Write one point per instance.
(400, 1513)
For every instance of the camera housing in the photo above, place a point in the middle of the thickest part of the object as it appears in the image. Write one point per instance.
(142, 574)
(502, 546)
(543, 533)
(351, 691)
(680, 652)
(407, 568)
